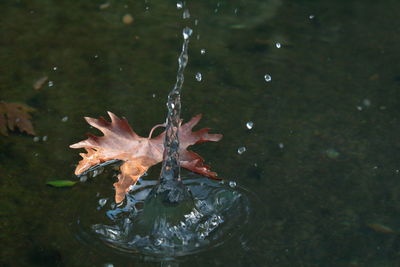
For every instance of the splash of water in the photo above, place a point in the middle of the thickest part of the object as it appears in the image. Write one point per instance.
(172, 217)
(170, 182)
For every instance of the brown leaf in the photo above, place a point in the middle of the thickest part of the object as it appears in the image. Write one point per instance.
(120, 142)
(15, 115)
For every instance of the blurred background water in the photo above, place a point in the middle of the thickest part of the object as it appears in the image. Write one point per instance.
(319, 80)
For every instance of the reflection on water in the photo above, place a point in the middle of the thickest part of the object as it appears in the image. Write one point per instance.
(220, 210)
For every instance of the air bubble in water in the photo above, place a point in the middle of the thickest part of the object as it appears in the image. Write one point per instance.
(267, 77)
(186, 14)
(281, 146)
(311, 16)
(187, 32)
(232, 184)
(64, 119)
(249, 125)
(241, 150)
(50, 83)
(179, 5)
(202, 51)
(278, 45)
(198, 77)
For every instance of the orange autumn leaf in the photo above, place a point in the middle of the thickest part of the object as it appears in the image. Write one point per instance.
(138, 153)
(15, 115)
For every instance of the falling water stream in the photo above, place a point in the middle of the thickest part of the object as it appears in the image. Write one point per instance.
(172, 217)
(170, 184)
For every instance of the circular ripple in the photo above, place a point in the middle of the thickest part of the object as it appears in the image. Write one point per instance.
(218, 212)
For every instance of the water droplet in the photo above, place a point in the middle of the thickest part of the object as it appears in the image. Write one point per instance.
(359, 108)
(108, 265)
(50, 83)
(179, 5)
(186, 14)
(64, 119)
(196, 22)
(187, 32)
(241, 150)
(312, 16)
(55, 68)
(281, 146)
(202, 51)
(36, 139)
(102, 202)
(96, 56)
(198, 77)
(249, 125)
(232, 184)
(278, 45)
(267, 77)
(44, 138)
(159, 241)
(235, 11)
(153, 95)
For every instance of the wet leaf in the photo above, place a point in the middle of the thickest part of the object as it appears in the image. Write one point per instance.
(332, 153)
(138, 153)
(381, 228)
(61, 183)
(15, 115)
(238, 26)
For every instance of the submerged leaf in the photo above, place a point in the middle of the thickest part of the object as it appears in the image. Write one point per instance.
(61, 183)
(381, 228)
(138, 153)
(40, 82)
(15, 115)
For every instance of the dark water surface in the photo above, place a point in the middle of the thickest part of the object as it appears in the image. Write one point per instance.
(323, 156)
